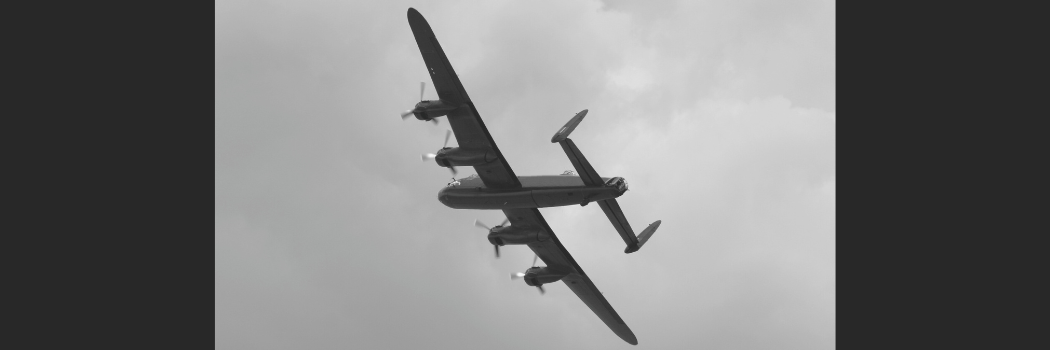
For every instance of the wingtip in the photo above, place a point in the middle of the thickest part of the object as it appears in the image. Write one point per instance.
(418, 23)
(629, 337)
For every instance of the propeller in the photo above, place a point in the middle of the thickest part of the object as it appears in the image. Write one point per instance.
(540, 286)
(424, 157)
(406, 114)
(448, 133)
(481, 225)
(518, 275)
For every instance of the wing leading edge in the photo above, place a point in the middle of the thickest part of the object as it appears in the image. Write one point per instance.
(466, 123)
(553, 253)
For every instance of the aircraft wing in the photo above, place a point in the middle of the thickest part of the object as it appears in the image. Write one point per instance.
(553, 253)
(466, 122)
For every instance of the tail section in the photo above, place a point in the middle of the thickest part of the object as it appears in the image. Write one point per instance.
(591, 178)
(644, 236)
(564, 132)
(583, 167)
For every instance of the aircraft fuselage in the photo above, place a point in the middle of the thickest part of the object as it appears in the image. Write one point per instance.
(541, 191)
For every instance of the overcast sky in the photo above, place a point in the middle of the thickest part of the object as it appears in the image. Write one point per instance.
(720, 115)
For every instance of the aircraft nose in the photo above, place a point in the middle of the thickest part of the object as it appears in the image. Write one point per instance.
(443, 196)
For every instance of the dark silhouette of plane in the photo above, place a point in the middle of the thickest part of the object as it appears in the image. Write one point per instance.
(496, 187)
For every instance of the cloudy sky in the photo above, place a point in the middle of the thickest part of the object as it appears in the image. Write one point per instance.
(720, 115)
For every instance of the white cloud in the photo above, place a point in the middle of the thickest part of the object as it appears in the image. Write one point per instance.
(630, 77)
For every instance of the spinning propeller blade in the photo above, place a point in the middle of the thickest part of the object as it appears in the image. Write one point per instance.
(481, 225)
(518, 275)
(425, 156)
(406, 114)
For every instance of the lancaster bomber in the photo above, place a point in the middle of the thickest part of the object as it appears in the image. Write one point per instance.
(496, 187)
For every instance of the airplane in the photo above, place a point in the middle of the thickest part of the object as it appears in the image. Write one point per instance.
(496, 187)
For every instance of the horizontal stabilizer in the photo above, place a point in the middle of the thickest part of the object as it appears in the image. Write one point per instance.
(583, 167)
(644, 236)
(615, 215)
(569, 127)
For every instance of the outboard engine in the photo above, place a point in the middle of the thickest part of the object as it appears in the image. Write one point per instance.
(430, 109)
(427, 110)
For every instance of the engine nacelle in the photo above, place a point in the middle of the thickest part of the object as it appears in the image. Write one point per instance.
(427, 110)
(455, 156)
(536, 276)
(503, 235)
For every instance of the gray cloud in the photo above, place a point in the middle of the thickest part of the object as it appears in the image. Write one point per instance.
(721, 115)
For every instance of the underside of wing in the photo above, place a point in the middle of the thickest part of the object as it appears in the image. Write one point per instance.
(553, 253)
(466, 123)
(471, 133)
(588, 292)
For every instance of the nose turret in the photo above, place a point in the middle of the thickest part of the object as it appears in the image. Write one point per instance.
(443, 196)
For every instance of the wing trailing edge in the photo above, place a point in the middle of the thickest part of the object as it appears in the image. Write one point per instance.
(554, 254)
